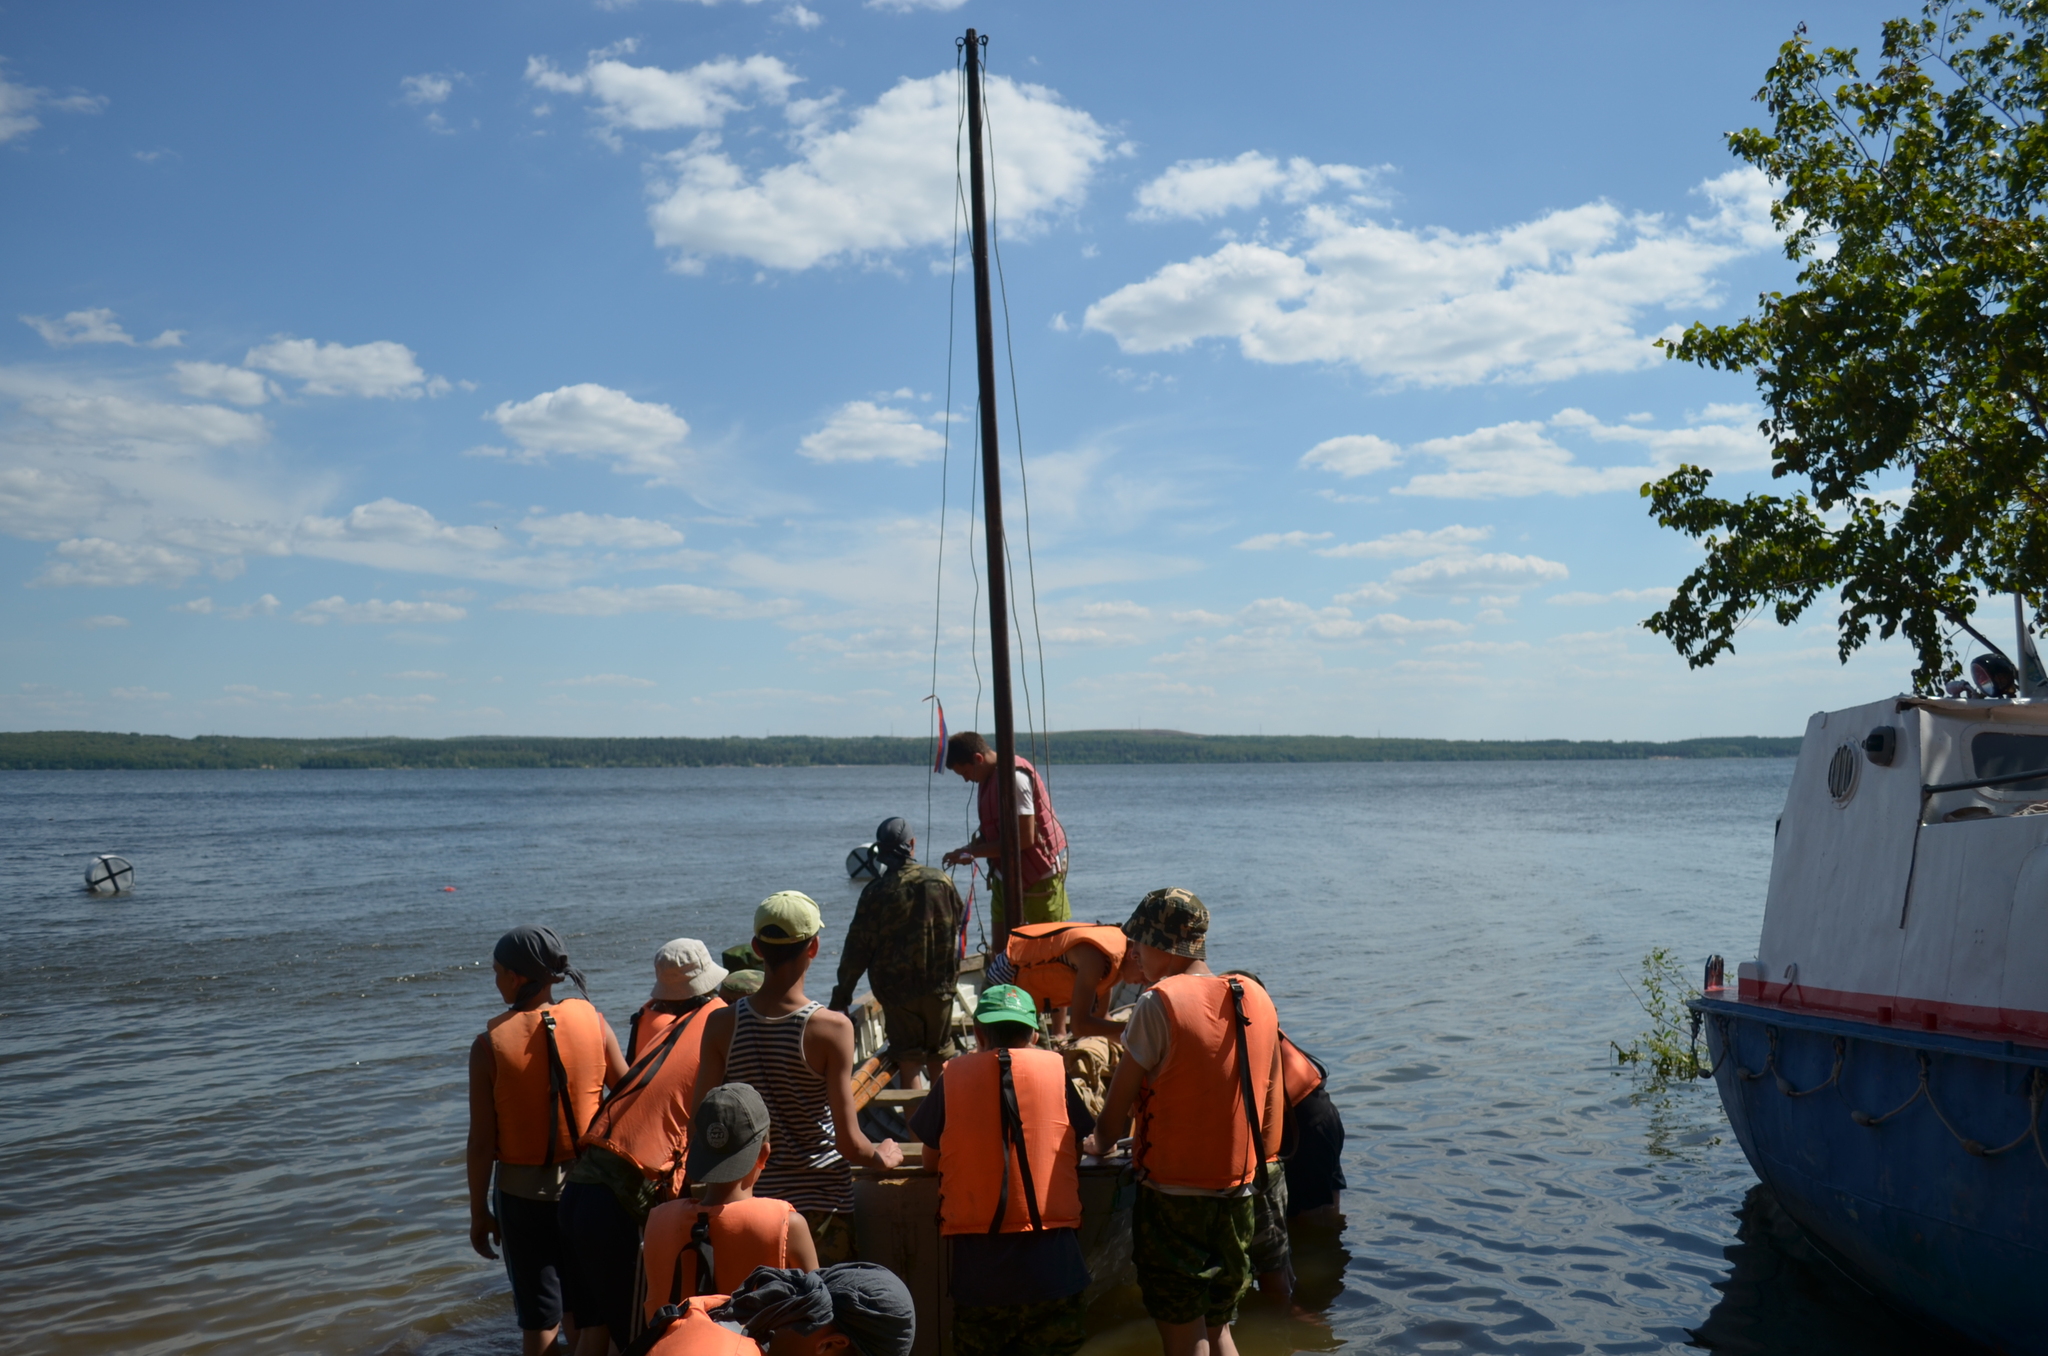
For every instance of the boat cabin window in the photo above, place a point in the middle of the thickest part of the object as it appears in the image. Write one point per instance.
(1998, 754)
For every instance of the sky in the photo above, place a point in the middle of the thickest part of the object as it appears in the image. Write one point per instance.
(558, 367)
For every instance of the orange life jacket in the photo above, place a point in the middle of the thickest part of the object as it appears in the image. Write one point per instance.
(742, 1235)
(983, 1186)
(1299, 1071)
(697, 1334)
(646, 1118)
(545, 1096)
(1196, 1115)
(1039, 951)
(645, 1027)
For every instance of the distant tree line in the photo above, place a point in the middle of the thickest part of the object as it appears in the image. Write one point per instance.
(82, 750)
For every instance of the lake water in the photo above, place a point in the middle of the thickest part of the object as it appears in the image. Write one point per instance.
(234, 1111)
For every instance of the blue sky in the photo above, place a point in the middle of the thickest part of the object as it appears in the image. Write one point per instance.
(565, 368)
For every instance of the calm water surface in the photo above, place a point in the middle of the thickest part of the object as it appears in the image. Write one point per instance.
(234, 1100)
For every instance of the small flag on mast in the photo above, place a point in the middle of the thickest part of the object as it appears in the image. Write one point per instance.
(939, 754)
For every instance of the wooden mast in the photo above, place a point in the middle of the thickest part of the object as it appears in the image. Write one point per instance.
(1010, 854)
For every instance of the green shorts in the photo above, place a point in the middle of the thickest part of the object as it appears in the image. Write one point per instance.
(1047, 1328)
(1192, 1255)
(1044, 902)
(921, 1028)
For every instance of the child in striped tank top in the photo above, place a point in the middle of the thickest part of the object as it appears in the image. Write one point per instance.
(798, 1055)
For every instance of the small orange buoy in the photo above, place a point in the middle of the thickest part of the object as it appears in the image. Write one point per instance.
(447, 889)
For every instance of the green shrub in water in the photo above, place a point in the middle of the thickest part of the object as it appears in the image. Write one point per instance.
(1667, 1050)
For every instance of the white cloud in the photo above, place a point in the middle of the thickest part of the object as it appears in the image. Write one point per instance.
(95, 562)
(18, 105)
(1195, 189)
(97, 326)
(863, 431)
(1267, 541)
(1356, 454)
(1618, 596)
(587, 420)
(593, 601)
(123, 420)
(602, 680)
(882, 182)
(1525, 457)
(1481, 573)
(214, 381)
(1540, 301)
(650, 99)
(600, 529)
(910, 6)
(1387, 624)
(798, 16)
(198, 606)
(100, 623)
(140, 694)
(1413, 542)
(381, 368)
(426, 90)
(1119, 609)
(376, 611)
(389, 534)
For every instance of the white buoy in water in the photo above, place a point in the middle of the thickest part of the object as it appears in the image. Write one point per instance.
(863, 864)
(110, 875)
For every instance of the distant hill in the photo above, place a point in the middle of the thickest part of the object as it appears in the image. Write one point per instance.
(86, 750)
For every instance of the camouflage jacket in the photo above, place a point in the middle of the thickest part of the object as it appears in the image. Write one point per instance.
(905, 936)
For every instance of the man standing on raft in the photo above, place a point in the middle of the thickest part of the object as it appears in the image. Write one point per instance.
(1043, 841)
(905, 936)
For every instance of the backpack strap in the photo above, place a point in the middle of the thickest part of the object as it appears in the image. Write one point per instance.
(558, 1082)
(1244, 1080)
(1012, 1121)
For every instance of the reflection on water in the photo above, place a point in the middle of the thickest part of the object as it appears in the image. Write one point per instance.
(1781, 1294)
(236, 1108)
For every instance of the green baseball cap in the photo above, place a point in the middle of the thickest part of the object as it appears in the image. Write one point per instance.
(787, 916)
(1006, 1003)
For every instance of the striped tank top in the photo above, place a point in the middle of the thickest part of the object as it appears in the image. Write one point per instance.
(804, 1166)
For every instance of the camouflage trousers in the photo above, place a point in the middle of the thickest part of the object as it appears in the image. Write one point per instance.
(832, 1234)
(1270, 1250)
(1047, 1328)
(1192, 1254)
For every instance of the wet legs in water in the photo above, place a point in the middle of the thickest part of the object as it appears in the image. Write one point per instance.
(1195, 1338)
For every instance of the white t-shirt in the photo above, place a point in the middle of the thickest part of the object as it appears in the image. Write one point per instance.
(1027, 804)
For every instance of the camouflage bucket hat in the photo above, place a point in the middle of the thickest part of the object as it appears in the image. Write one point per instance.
(1174, 921)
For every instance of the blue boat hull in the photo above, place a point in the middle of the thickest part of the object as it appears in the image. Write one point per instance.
(1957, 1236)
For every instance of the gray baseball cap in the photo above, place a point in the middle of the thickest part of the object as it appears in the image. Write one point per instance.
(726, 1136)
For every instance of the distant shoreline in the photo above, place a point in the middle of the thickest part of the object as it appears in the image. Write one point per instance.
(78, 750)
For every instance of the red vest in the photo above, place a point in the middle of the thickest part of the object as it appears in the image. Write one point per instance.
(1048, 839)
(976, 1158)
(1193, 1129)
(646, 1119)
(521, 1086)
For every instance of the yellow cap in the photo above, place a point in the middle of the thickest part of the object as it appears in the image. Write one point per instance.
(787, 916)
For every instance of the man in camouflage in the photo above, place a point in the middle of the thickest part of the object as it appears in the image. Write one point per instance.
(905, 937)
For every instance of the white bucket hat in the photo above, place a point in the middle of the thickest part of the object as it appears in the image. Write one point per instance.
(684, 969)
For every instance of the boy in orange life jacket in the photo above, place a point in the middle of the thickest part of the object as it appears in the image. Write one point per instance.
(633, 1149)
(739, 1230)
(535, 1075)
(852, 1309)
(1070, 968)
(1004, 1127)
(1202, 1062)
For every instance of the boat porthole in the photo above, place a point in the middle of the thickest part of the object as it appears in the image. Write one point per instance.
(1842, 769)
